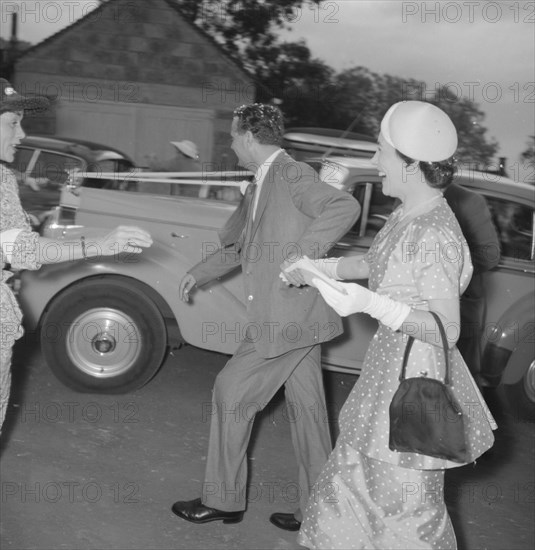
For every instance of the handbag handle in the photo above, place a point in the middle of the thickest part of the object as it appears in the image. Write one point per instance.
(444, 347)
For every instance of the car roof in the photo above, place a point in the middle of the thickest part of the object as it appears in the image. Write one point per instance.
(492, 183)
(84, 148)
(307, 137)
(330, 132)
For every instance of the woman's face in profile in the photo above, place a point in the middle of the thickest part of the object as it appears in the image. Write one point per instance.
(390, 168)
(11, 134)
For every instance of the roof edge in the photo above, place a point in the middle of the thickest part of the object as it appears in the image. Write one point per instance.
(172, 5)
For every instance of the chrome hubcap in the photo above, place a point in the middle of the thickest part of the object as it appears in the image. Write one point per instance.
(103, 342)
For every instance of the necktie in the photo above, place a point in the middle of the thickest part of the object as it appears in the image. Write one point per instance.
(232, 230)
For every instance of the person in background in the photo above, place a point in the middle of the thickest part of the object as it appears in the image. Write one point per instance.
(476, 223)
(186, 159)
(22, 248)
(287, 212)
(367, 495)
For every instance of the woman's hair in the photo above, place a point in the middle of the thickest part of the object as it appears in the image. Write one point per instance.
(437, 174)
(264, 121)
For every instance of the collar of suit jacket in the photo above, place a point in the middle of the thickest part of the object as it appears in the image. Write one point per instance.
(260, 175)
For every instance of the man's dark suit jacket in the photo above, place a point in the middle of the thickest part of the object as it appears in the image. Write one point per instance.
(474, 217)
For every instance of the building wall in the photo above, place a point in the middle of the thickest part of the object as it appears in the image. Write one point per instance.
(125, 57)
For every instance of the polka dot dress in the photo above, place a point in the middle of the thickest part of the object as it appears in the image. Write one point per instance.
(368, 496)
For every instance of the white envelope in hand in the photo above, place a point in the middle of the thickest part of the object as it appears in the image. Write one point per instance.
(311, 272)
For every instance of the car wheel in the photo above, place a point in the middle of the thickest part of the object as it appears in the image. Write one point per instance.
(103, 336)
(521, 395)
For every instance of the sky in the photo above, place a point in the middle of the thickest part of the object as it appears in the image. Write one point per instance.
(480, 49)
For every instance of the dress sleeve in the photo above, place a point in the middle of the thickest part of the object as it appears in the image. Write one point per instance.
(24, 248)
(441, 264)
(25, 251)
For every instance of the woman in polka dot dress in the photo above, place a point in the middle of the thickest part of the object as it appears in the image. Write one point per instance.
(368, 496)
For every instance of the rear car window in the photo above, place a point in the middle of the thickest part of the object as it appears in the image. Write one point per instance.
(54, 167)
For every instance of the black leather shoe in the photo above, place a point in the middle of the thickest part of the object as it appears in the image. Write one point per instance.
(196, 512)
(285, 521)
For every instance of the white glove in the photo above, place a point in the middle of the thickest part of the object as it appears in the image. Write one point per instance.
(390, 313)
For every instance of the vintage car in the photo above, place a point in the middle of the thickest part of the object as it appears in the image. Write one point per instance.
(106, 325)
(50, 161)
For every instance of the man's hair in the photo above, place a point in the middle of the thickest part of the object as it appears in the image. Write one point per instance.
(264, 121)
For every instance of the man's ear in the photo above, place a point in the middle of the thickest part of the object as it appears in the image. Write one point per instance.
(249, 138)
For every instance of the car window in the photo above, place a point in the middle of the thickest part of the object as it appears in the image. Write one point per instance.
(112, 166)
(376, 208)
(22, 159)
(514, 223)
(55, 167)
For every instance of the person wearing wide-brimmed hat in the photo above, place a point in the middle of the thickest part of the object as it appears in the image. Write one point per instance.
(367, 495)
(186, 159)
(22, 248)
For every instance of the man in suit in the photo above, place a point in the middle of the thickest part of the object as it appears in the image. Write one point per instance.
(291, 214)
(475, 219)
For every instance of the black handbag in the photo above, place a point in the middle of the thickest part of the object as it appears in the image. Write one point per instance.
(425, 417)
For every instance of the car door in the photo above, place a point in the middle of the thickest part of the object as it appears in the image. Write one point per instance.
(513, 279)
(509, 332)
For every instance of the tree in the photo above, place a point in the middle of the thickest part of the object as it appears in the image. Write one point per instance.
(362, 97)
(310, 92)
(528, 158)
(284, 72)
(301, 84)
(244, 28)
(473, 148)
(529, 154)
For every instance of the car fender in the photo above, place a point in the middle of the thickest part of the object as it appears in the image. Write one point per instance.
(510, 343)
(213, 319)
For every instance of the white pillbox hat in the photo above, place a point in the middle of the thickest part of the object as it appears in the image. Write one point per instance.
(420, 131)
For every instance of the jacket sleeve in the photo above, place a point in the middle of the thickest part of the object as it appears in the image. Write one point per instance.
(480, 234)
(216, 264)
(334, 212)
(23, 247)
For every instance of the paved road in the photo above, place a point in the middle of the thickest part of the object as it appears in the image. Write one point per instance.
(83, 471)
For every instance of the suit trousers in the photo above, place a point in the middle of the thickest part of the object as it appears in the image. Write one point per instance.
(244, 387)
